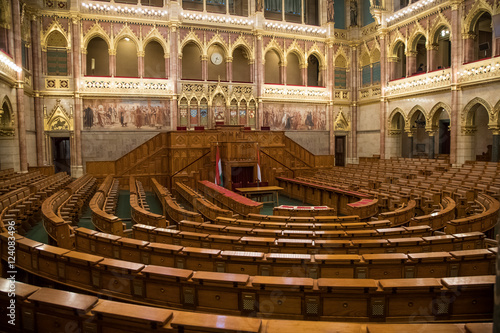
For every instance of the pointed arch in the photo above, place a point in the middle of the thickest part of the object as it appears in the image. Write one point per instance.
(273, 46)
(413, 114)
(432, 119)
(467, 117)
(191, 37)
(7, 118)
(478, 9)
(314, 50)
(155, 35)
(55, 26)
(243, 43)
(96, 31)
(392, 121)
(218, 40)
(413, 40)
(393, 49)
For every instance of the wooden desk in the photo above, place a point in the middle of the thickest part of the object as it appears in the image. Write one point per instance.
(261, 191)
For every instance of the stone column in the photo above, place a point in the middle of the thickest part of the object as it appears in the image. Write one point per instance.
(385, 68)
(112, 62)
(283, 73)
(432, 54)
(167, 66)
(411, 63)
(355, 85)
(21, 122)
(204, 67)
(303, 71)
(431, 144)
(330, 86)
(37, 102)
(229, 69)
(391, 70)
(77, 169)
(495, 145)
(410, 136)
(469, 51)
(259, 80)
(140, 64)
(496, 311)
(175, 73)
(456, 60)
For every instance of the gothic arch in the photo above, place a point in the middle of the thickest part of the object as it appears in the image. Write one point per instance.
(393, 49)
(191, 37)
(217, 40)
(438, 25)
(273, 45)
(242, 42)
(432, 118)
(467, 117)
(413, 40)
(7, 118)
(55, 26)
(155, 35)
(314, 50)
(411, 115)
(478, 8)
(126, 32)
(96, 31)
(392, 122)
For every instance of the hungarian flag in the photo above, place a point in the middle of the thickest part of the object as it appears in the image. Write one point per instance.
(259, 177)
(218, 168)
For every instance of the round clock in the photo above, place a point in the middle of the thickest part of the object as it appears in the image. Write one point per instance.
(216, 58)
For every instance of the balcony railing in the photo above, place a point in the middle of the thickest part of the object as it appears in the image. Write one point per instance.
(341, 94)
(412, 10)
(369, 92)
(428, 81)
(296, 92)
(120, 85)
(479, 70)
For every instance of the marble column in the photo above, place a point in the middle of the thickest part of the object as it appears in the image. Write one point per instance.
(431, 144)
(140, 64)
(410, 152)
(37, 102)
(259, 80)
(392, 63)
(167, 66)
(77, 169)
(469, 51)
(330, 85)
(112, 62)
(355, 85)
(411, 63)
(303, 71)
(229, 69)
(21, 121)
(432, 57)
(204, 67)
(385, 67)
(283, 73)
(495, 146)
(456, 60)
(175, 73)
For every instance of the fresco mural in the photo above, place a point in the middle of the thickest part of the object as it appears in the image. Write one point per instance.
(295, 117)
(122, 114)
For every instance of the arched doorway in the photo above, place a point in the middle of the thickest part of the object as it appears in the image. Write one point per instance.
(396, 134)
(419, 145)
(478, 136)
(439, 130)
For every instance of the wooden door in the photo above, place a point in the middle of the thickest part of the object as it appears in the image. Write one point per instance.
(340, 150)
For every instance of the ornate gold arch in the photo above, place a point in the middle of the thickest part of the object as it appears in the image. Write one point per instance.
(54, 26)
(242, 42)
(273, 45)
(467, 116)
(478, 8)
(411, 114)
(432, 118)
(392, 124)
(191, 37)
(126, 32)
(155, 35)
(7, 129)
(218, 40)
(96, 31)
